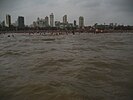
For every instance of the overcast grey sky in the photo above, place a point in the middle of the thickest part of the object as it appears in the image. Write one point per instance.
(94, 11)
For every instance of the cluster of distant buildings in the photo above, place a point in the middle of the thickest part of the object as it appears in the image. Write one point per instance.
(43, 22)
(50, 22)
(7, 22)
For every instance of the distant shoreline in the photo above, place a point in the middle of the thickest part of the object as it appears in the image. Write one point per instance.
(68, 31)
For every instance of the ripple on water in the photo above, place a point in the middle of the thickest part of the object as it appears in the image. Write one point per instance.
(11, 53)
(66, 67)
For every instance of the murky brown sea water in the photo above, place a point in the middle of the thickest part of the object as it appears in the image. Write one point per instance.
(66, 67)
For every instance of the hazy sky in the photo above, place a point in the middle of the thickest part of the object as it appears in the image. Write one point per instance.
(94, 11)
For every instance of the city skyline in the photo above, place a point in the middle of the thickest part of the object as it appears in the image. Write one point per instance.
(94, 11)
(42, 22)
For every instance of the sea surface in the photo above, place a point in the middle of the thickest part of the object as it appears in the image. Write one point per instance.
(83, 66)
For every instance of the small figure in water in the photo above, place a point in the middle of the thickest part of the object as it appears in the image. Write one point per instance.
(73, 32)
(12, 35)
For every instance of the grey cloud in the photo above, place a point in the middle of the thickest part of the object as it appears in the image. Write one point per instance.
(120, 5)
(85, 3)
(93, 10)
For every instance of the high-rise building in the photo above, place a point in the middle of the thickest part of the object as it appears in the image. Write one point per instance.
(46, 21)
(21, 22)
(8, 21)
(52, 20)
(65, 19)
(74, 23)
(81, 21)
(38, 19)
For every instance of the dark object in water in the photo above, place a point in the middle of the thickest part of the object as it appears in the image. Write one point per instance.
(48, 39)
(8, 36)
(73, 32)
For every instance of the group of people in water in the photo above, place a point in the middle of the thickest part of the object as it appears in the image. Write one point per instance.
(52, 33)
(9, 35)
(43, 33)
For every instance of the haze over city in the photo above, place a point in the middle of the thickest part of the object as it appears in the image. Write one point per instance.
(94, 11)
(66, 49)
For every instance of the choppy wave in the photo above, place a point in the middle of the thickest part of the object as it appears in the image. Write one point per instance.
(66, 67)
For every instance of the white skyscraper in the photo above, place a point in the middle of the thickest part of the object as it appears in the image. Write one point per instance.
(52, 20)
(65, 19)
(46, 21)
(8, 21)
(81, 21)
